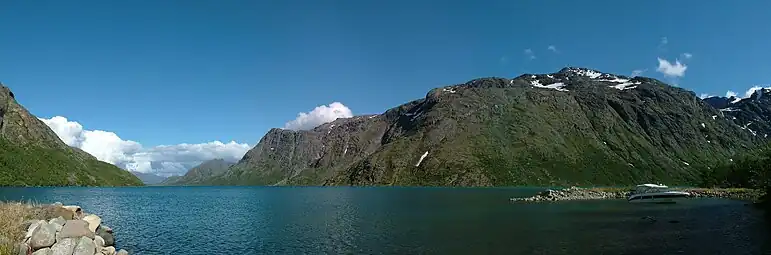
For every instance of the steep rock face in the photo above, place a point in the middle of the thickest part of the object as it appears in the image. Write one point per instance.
(574, 127)
(200, 173)
(32, 154)
(753, 114)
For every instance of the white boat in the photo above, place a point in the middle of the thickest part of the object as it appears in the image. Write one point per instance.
(655, 193)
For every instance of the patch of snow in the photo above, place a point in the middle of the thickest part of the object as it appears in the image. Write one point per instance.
(588, 73)
(345, 151)
(626, 85)
(556, 86)
(730, 159)
(416, 116)
(714, 117)
(451, 90)
(730, 109)
(533, 76)
(734, 118)
(421, 158)
(615, 79)
(272, 148)
(766, 135)
(736, 100)
(604, 143)
(703, 126)
(708, 141)
(630, 164)
(550, 76)
(511, 82)
(686, 163)
(372, 116)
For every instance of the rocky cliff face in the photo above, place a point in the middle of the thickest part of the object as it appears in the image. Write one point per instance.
(32, 154)
(752, 114)
(200, 173)
(574, 127)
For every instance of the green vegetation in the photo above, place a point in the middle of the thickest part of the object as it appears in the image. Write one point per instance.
(752, 170)
(30, 165)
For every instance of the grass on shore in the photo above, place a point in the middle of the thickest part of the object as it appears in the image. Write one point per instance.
(13, 214)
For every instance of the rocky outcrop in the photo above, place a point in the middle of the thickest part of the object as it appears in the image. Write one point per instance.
(752, 114)
(31, 154)
(78, 236)
(573, 127)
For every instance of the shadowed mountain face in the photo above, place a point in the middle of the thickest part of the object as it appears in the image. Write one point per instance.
(31, 154)
(573, 127)
(199, 174)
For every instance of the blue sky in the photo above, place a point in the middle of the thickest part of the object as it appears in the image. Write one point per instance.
(172, 72)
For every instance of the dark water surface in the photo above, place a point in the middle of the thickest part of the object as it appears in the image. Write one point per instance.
(345, 220)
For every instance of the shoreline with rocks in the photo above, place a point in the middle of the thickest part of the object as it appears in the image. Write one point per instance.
(577, 193)
(58, 229)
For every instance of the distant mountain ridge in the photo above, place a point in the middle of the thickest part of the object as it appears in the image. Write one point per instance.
(577, 126)
(200, 173)
(31, 154)
(148, 178)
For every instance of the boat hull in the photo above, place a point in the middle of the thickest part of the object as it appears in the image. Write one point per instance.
(667, 197)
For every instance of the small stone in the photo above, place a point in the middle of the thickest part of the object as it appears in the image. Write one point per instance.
(93, 222)
(76, 211)
(122, 252)
(99, 241)
(109, 250)
(43, 236)
(44, 251)
(64, 247)
(75, 228)
(85, 246)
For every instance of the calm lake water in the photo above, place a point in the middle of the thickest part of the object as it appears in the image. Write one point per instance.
(346, 220)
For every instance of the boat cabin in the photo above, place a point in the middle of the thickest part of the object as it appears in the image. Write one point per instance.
(650, 188)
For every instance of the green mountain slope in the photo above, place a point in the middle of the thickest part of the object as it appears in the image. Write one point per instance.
(573, 127)
(32, 155)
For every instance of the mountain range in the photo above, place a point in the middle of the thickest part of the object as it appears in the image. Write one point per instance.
(577, 126)
(31, 154)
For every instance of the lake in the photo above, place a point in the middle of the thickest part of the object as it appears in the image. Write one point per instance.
(378, 220)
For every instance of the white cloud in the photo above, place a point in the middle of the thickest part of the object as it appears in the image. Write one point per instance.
(672, 70)
(529, 53)
(552, 48)
(749, 92)
(687, 55)
(163, 160)
(730, 94)
(638, 72)
(320, 115)
(704, 95)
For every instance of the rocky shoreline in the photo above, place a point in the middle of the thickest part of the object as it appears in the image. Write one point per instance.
(576, 193)
(70, 232)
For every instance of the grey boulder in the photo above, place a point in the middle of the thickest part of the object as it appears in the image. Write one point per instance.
(85, 246)
(75, 228)
(106, 234)
(99, 241)
(32, 226)
(64, 247)
(122, 252)
(44, 251)
(43, 236)
(58, 222)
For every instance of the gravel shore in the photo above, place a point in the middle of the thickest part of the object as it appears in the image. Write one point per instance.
(576, 193)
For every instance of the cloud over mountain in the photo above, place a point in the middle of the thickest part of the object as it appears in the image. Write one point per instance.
(319, 115)
(163, 160)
